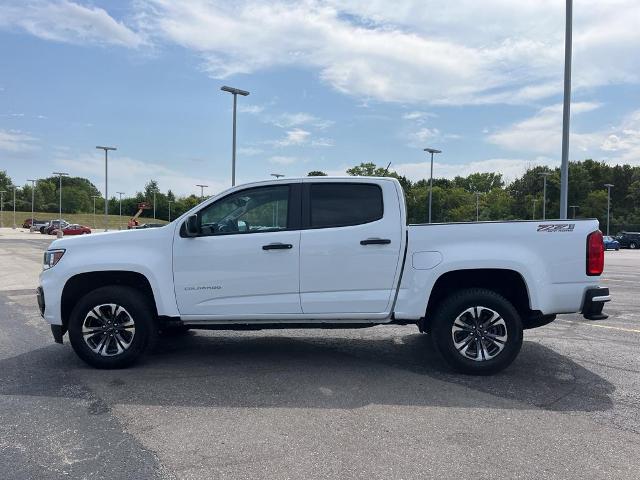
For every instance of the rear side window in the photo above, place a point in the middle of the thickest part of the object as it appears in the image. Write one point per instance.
(344, 204)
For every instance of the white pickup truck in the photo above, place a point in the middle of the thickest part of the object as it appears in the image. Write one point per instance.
(321, 252)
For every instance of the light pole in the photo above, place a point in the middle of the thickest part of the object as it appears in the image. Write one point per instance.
(14, 207)
(566, 110)
(544, 176)
(431, 151)
(94, 210)
(2, 192)
(477, 205)
(60, 174)
(533, 217)
(608, 185)
(33, 196)
(235, 92)
(106, 186)
(202, 187)
(169, 202)
(154, 204)
(120, 215)
(573, 207)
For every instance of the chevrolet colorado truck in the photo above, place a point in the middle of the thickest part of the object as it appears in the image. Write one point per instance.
(321, 252)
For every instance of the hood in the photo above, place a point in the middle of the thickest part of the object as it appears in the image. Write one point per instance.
(115, 236)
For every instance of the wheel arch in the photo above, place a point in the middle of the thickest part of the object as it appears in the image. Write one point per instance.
(80, 284)
(506, 282)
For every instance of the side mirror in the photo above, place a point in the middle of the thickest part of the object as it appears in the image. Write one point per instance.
(192, 226)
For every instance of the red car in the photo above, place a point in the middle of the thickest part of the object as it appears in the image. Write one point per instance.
(73, 229)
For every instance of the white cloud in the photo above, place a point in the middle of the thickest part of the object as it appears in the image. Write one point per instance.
(283, 160)
(16, 141)
(249, 151)
(137, 174)
(297, 136)
(250, 109)
(322, 142)
(542, 132)
(421, 136)
(66, 21)
(417, 116)
(510, 168)
(439, 52)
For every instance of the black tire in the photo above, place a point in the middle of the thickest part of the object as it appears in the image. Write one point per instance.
(136, 307)
(483, 304)
(633, 245)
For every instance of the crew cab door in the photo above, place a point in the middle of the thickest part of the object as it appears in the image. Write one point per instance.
(350, 246)
(245, 261)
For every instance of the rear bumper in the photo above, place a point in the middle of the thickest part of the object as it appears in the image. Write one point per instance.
(594, 300)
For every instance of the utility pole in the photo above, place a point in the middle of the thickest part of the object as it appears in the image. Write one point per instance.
(431, 151)
(60, 174)
(566, 112)
(169, 202)
(120, 219)
(235, 92)
(608, 185)
(544, 176)
(573, 207)
(14, 207)
(533, 217)
(106, 185)
(2, 192)
(202, 187)
(33, 196)
(154, 204)
(478, 205)
(95, 225)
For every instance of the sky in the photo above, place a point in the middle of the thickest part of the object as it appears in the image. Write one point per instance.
(333, 83)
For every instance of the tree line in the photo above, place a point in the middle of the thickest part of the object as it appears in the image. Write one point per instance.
(485, 195)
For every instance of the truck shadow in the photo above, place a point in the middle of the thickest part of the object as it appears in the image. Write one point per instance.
(266, 370)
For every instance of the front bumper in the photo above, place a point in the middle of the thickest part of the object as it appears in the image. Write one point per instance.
(594, 300)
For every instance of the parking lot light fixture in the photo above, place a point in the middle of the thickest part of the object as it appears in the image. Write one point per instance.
(106, 184)
(277, 175)
(60, 174)
(235, 92)
(608, 185)
(431, 151)
(544, 176)
(33, 196)
(2, 192)
(574, 207)
(533, 216)
(169, 202)
(202, 187)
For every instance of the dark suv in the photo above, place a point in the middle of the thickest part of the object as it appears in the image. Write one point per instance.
(629, 239)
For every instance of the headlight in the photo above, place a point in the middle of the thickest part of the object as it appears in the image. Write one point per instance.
(52, 257)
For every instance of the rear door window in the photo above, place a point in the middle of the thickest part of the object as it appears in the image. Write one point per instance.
(344, 204)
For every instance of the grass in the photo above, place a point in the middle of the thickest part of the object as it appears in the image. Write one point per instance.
(81, 218)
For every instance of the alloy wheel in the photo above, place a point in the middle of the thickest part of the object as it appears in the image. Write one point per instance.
(108, 329)
(479, 333)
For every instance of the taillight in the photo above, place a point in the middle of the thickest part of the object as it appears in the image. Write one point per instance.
(595, 253)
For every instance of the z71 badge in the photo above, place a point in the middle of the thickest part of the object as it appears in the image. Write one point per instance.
(559, 227)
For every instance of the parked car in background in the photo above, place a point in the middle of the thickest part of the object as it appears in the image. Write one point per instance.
(53, 224)
(36, 223)
(72, 229)
(629, 240)
(610, 243)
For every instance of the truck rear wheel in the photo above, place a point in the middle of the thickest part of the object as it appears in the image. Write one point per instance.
(111, 327)
(477, 331)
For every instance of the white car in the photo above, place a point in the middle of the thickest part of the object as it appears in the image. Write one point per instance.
(321, 252)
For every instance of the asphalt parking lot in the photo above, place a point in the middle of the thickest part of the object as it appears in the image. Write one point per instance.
(292, 404)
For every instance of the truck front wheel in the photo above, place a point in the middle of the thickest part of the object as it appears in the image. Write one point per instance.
(477, 331)
(111, 327)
